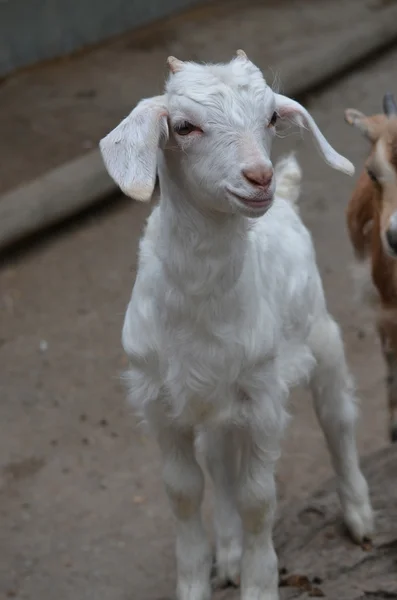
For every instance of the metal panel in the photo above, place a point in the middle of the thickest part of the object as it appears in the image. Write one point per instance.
(35, 30)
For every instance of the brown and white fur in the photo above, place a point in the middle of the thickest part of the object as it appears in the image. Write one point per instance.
(372, 225)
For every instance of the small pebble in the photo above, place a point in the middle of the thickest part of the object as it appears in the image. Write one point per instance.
(138, 499)
(43, 346)
(367, 545)
(316, 593)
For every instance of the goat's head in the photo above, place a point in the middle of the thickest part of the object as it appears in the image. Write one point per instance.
(381, 166)
(214, 127)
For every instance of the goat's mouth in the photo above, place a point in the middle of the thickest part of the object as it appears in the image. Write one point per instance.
(389, 251)
(389, 243)
(259, 203)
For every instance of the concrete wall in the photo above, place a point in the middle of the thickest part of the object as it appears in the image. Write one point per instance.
(35, 30)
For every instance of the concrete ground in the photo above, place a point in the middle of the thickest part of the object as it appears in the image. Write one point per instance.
(82, 511)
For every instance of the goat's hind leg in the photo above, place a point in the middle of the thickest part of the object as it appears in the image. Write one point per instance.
(391, 379)
(221, 459)
(390, 357)
(336, 410)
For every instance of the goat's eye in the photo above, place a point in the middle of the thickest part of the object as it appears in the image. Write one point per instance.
(372, 176)
(273, 120)
(185, 128)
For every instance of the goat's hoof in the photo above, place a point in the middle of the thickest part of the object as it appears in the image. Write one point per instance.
(224, 584)
(360, 521)
(393, 434)
(226, 568)
(259, 594)
(223, 579)
(193, 590)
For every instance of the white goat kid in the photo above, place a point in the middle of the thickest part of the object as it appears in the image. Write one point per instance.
(227, 313)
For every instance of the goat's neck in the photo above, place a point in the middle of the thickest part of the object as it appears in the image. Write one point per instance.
(363, 220)
(384, 268)
(203, 251)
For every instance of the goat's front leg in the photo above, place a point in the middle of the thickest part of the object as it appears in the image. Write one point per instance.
(184, 483)
(221, 458)
(256, 500)
(335, 406)
(388, 338)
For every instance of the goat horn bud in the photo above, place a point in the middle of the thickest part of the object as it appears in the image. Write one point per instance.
(174, 64)
(389, 105)
(241, 54)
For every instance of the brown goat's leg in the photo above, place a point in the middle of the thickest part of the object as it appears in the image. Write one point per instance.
(390, 356)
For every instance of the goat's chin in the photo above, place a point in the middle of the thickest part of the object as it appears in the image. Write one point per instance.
(254, 212)
(250, 208)
(389, 251)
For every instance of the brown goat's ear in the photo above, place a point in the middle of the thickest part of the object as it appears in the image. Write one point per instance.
(370, 127)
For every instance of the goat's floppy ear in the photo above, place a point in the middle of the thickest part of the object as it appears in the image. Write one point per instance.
(130, 150)
(287, 108)
(370, 127)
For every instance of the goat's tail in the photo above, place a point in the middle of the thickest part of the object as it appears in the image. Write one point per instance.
(288, 179)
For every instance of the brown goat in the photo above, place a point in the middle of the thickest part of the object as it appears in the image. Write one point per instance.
(372, 225)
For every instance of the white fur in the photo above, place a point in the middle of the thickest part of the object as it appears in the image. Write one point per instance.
(226, 315)
(288, 176)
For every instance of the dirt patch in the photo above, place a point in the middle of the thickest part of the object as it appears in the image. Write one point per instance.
(23, 469)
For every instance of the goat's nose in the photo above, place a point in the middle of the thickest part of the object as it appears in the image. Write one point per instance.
(259, 175)
(391, 236)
